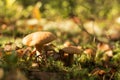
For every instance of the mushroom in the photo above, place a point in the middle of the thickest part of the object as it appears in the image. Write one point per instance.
(38, 39)
(70, 50)
(67, 43)
(89, 52)
(106, 48)
(103, 47)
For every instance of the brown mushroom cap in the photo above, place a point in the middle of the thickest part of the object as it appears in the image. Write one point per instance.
(38, 38)
(103, 46)
(71, 50)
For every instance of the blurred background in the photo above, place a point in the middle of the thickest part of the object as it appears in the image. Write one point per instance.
(99, 19)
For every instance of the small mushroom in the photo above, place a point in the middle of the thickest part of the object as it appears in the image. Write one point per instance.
(67, 43)
(71, 50)
(107, 55)
(103, 47)
(89, 52)
(38, 39)
(107, 50)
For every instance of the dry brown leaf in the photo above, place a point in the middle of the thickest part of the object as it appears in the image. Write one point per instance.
(31, 27)
(101, 72)
(98, 71)
(76, 20)
(39, 28)
(36, 12)
(0, 52)
(8, 48)
(20, 52)
(3, 26)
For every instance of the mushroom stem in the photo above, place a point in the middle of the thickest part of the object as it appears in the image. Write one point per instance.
(70, 59)
(63, 58)
(39, 48)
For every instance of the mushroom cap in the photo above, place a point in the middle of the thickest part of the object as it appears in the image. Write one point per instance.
(103, 46)
(89, 51)
(109, 53)
(38, 38)
(71, 50)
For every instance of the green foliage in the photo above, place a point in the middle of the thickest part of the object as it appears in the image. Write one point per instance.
(9, 60)
(82, 8)
(27, 3)
(15, 9)
(54, 66)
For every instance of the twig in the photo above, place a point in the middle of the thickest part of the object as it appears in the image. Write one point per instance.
(111, 76)
(103, 77)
